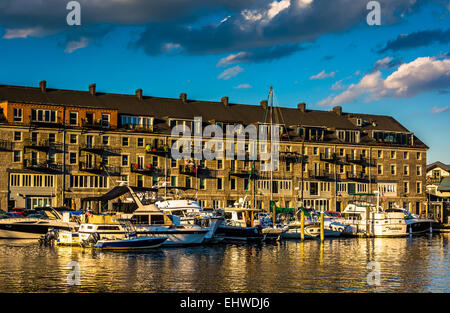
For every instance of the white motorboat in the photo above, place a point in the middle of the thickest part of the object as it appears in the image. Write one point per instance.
(370, 220)
(241, 224)
(36, 225)
(189, 212)
(414, 224)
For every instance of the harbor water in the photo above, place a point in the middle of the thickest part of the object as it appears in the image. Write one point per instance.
(411, 264)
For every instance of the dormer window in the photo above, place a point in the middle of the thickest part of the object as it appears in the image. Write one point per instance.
(358, 122)
(136, 122)
(348, 136)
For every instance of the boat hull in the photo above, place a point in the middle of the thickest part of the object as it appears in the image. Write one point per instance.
(240, 234)
(139, 243)
(28, 230)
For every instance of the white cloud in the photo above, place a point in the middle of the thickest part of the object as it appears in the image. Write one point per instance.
(338, 85)
(421, 75)
(276, 7)
(322, 75)
(230, 72)
(12, 33)
(232, 58)
(243, 86)
(75, 45)
(436, 110)
(171, 47)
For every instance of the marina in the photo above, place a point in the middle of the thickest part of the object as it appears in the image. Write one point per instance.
(409, 264)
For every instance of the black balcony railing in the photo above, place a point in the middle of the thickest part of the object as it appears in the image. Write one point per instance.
(292, 157)
(148, 169)
(99, 148)
(328, 157)
(161, 150)
(358, 158)
(42, 145)
(95, 124)
(361, 177)
(320, 174)
(5, 145)
(195, 171)
(46, 166)
(99, 168)
(243, 173)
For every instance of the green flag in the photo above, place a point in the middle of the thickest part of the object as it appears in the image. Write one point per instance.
(304, 211)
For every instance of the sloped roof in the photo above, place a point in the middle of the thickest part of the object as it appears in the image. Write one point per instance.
(438, 164)
(444, 185)
(161, 108)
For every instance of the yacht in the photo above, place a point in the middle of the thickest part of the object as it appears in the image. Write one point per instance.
(35, 225)
(241, 224)
(370, 220)
(414, 224)
(189, 212)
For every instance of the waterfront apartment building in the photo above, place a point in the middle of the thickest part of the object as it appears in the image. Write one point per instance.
(60, 146)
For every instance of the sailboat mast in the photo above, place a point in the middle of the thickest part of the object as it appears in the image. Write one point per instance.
(271, 160)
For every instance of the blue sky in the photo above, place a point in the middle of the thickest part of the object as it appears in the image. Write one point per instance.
(319, 52)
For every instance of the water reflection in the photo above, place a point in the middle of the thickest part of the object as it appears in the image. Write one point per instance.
(416, 264)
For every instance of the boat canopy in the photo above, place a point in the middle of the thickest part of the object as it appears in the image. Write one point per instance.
(117, 192)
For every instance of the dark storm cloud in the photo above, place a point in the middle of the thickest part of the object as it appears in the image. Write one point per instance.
(417, 39)
(301, 21)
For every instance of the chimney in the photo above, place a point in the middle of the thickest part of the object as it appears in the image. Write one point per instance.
(337, 110)
(92, 89)
(224, 101)
(183, 97)
(139, 93)
(302, 107)
(264, 104)
(43, 86)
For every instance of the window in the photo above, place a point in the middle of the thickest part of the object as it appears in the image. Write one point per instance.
(85, 181)
(17, 115)
(233, 184)
(17, 136)
(406, 170)
(419, 170)
(140, 181)
(419, 187)
(358, 122)
(155, 161)
(219, 183)
(73, 118)
(173, 163)
(406, 187)
(202, 183)
(46, 116)
(288, 166)
(188, 182)
(173, 181)
(73, 138)
(72, 157)
(106, 120)
(380, 169)
(393, 169)
(419, 156)
(124, 160)
(380, 154)
(17, 156)
(405, 155)
(140, 142)
(89, 141)
(316, 151)
(341, 152)
(124, 141)
(219, 164)
(51, 138)
(105, 140)
(392, 154)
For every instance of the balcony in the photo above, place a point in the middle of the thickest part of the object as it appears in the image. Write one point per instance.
(46, 166)
(357, 159)
(161, 150)
(95, 124)
(196, 171)
(138, 128)
(328, 157)
(243, 173)
(98, 168)
(360, 177)
(292, 157)
(57, 122)
(5, 145)
(42, 145)
(434, 180)
(99, 149)
(148, 169)
(320, 174)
